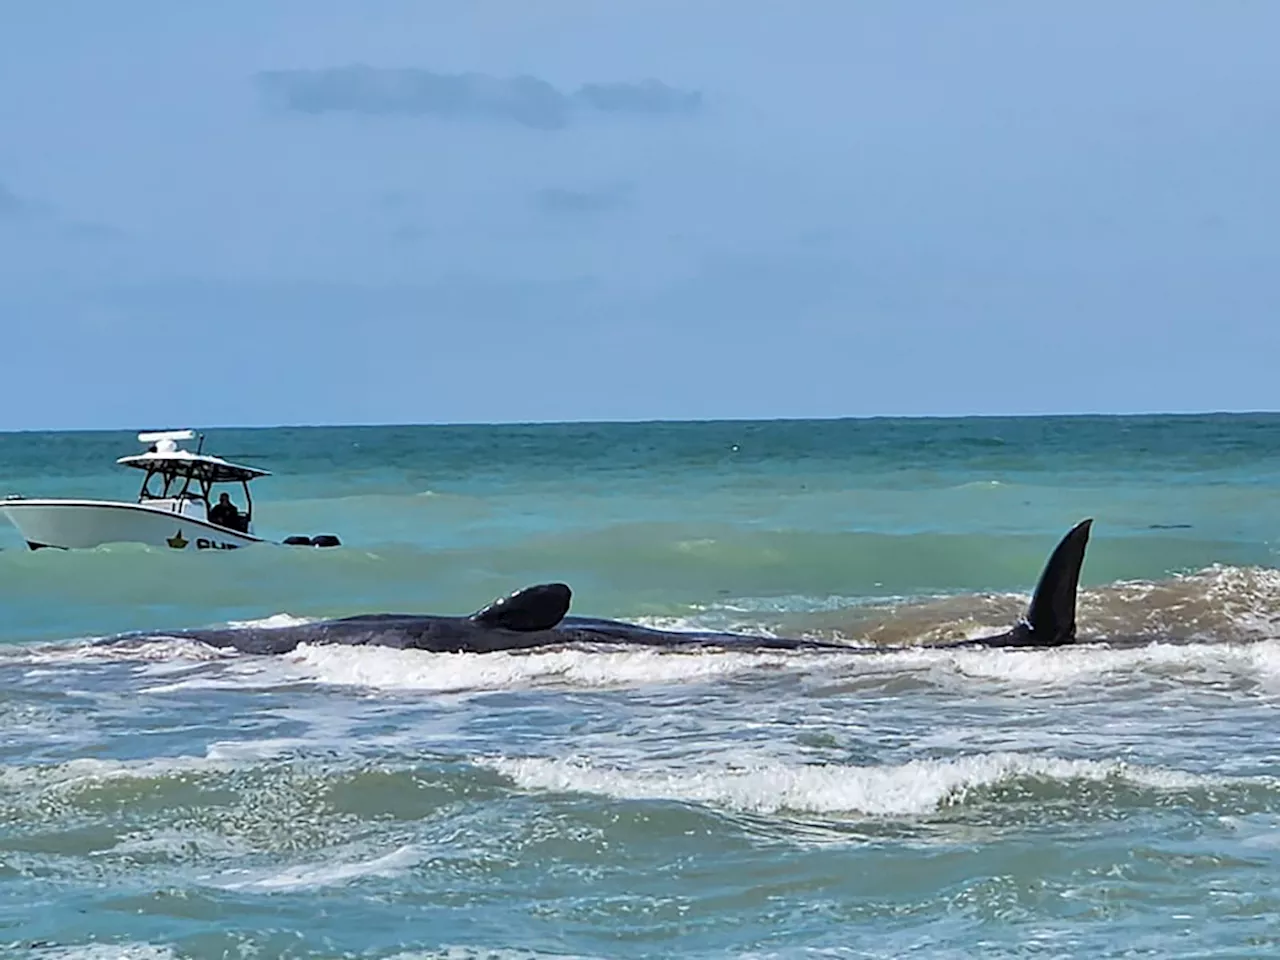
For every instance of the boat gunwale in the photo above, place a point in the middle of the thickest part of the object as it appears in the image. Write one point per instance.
(21, 502)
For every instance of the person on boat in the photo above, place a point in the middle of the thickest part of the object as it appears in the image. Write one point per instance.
(224, 513)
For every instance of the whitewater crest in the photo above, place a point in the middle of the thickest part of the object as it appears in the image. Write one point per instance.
(913, 788)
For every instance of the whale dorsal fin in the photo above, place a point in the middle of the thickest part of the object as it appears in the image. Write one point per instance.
(539, 607)
(1051, 617)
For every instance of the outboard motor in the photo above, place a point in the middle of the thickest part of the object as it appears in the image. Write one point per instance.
(319, 540)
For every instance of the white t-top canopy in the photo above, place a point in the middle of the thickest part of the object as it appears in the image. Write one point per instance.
(165, 457)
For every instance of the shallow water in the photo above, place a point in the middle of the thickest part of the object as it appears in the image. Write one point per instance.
(160, 799)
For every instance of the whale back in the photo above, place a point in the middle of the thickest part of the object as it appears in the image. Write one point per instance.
(540, 607)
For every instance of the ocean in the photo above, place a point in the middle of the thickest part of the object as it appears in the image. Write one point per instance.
(163, 800)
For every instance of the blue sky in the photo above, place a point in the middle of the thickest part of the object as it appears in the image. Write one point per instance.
(330, 212)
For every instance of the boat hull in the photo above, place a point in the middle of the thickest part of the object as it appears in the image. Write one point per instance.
(83, 524)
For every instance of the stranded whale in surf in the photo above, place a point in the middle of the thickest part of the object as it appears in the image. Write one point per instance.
(536, 617)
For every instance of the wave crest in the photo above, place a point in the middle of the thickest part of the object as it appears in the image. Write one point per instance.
(914, 788)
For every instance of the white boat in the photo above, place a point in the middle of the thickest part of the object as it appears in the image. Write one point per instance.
(174, 507)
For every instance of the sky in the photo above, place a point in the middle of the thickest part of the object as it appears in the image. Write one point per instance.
(318, 211)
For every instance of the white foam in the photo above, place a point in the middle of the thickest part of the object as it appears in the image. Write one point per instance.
(1086, 663)
(311, 876)
(88, 770)
(689, 624)
(155, 648)
(462, 952)
(270, 748)
(710, 615)
(152, 649)
(108, 951)
(912, 788)
(275, 621)
(176, 844)
(1062, 667)
(222, 756)
(383, 668)
(387, 669)
(235, 673)
(178, 663)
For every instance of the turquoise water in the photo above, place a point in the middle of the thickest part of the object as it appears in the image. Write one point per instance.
(159, 799)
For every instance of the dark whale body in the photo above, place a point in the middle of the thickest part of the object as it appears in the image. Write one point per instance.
(536, 617)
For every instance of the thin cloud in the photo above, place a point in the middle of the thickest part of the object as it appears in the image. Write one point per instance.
(14, 207)
(650, 97)
(559, 200)
(409, 92)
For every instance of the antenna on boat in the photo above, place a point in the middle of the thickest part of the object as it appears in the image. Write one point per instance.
(200, 445)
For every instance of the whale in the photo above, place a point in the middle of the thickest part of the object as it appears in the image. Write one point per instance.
(538, 617)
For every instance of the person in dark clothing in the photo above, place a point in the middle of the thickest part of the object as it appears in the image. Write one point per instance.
(224, 513)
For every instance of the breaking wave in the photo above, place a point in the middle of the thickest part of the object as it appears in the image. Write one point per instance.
(909, 789)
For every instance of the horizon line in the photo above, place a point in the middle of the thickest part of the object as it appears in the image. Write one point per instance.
(654, 421)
